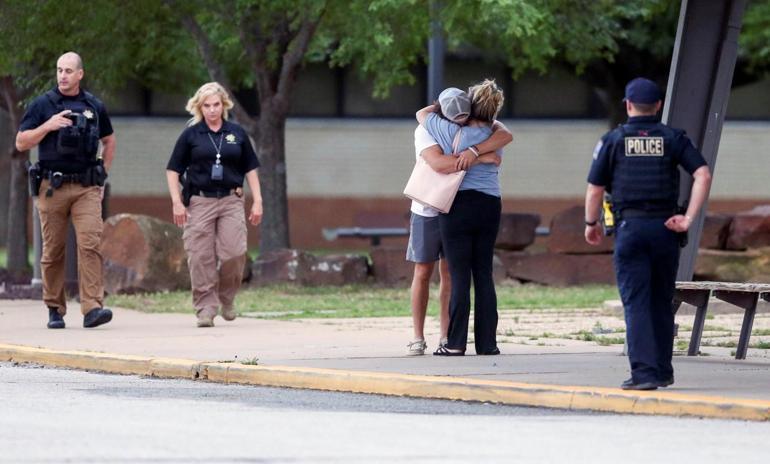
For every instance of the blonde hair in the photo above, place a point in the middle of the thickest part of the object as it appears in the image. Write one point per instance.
(486, 100)
(205, 91)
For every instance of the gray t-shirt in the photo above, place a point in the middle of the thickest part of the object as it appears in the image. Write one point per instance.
(481, 177)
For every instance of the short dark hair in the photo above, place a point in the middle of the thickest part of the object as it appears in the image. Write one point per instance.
(646, 108)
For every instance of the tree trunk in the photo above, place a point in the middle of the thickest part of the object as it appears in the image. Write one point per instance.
(272, 178)
(7, 136)
(18, 263)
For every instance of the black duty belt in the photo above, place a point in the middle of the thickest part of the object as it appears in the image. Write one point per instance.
(628, 213)
(219, 193)
(62, 178)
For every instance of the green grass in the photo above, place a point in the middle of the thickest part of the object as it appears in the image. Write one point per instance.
(540, 297)
(587, 336)
(606, 341)
(760, 332)
(292, 301)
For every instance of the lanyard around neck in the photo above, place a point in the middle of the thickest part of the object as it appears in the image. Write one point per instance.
(217, 148)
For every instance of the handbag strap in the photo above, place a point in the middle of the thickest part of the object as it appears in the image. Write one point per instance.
(456, 141)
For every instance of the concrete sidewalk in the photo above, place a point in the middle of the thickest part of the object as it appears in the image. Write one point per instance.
(371, 352)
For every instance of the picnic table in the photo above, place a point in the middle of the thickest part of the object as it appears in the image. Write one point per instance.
(743, 295)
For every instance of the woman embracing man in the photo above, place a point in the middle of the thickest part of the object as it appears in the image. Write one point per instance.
(468, 231)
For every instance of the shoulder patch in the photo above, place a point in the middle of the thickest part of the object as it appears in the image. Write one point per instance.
(598, 148)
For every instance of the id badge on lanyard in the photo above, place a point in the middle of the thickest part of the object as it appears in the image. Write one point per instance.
(217, 171)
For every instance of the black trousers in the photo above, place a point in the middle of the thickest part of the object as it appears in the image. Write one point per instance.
(646, 259)
(468, 233)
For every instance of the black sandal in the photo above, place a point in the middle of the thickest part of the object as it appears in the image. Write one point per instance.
(444, 351)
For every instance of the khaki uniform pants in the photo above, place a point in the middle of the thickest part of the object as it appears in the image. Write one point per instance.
(84, 206)
(215, 242)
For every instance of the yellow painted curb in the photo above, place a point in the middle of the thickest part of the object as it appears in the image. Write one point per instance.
(420, 386)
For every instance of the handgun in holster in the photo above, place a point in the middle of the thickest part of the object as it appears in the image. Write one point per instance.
(186, 189)
(35, 178)
(608, 219)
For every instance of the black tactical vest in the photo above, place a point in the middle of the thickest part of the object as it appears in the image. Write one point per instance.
(644, 172)
(80, 141)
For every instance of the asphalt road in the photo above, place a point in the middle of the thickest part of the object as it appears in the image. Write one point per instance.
(54, 415)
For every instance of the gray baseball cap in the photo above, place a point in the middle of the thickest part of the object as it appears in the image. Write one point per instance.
(455, 104)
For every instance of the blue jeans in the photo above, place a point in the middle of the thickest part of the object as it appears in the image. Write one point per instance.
(646, 260)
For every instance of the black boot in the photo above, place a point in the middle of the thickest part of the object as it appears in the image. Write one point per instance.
(97, 317)
(55, 320)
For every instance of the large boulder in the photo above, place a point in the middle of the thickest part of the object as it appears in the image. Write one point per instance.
(390, 267)
(716, 228)
(143, 254)
(733, 266)
(301, 267)
(568, 234)
(750, 229)
(559, 269)
(338, 270)
(281, 266)
(517, 231)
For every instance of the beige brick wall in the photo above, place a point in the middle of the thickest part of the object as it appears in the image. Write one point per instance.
(373, 158)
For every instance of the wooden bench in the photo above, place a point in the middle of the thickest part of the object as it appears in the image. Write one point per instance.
(744, 296)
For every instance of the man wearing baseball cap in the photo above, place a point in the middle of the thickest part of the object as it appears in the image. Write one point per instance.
(638, 164)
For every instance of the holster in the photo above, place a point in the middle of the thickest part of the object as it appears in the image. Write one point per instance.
(187, 192)
(608, 217)
(34, 178)
(95, 175)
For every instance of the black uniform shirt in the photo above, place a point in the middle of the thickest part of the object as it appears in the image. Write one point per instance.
(612, 146)
(195, 149)
(42, 108)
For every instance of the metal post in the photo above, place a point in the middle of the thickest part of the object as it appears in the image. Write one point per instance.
(436, 52)
(698, 89)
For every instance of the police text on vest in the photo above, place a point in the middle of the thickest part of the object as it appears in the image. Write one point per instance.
(644, 146)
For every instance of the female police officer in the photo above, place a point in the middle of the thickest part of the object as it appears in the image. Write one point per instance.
(215, 155)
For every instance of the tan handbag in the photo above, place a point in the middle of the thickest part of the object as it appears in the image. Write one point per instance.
(431, 188)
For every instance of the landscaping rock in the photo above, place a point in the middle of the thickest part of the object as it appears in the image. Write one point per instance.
(716, 229)
(517, 231)
(143, 254)
(338, 270)
(568, 234)
(733, 266)
(390, 267)
(281, 266)
(559, 269)
(499, 273)
(750, 229)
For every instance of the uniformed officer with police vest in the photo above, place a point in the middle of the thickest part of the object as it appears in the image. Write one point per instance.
(68, 123)
(638, 164)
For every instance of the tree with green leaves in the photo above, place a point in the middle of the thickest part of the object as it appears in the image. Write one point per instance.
(265, 43)
(105, 36)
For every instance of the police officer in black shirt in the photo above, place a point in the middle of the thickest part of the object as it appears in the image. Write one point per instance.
(638, 164)
(214, 156)
(68, 123)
